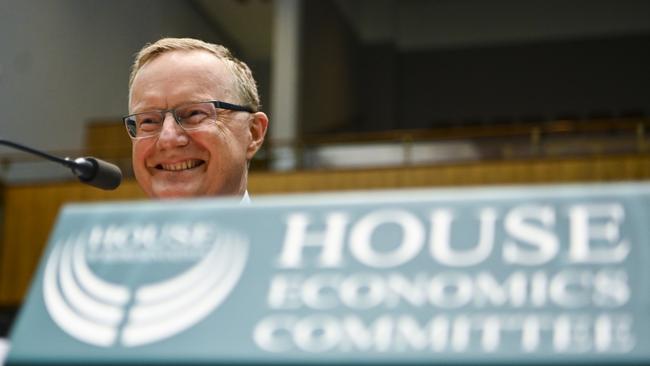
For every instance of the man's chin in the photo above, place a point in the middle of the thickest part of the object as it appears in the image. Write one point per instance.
(174, 191)
(164, 189)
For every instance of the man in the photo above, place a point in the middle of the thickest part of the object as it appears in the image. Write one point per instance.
(194, 120)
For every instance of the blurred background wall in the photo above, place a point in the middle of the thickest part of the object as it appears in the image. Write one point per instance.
(360, 66)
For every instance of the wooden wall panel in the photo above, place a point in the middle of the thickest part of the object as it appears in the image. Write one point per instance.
(30, 210)
(29, 214)
(593, 169)
(108, 139)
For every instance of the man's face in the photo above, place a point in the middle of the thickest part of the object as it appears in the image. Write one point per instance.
(208, 161)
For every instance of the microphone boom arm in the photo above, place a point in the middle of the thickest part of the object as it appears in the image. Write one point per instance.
(68, 163)
(89, 170)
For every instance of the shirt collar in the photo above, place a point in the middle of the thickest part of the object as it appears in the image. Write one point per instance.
(245, 199)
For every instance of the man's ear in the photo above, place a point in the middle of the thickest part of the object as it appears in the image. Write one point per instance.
(257, 126)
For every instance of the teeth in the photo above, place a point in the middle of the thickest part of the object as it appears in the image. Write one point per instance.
(188, 164)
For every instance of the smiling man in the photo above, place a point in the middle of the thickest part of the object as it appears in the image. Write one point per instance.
(194, 120)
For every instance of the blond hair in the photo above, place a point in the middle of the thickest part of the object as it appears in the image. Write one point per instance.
(245, 86)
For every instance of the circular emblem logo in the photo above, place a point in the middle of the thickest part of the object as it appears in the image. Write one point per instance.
(105, 312)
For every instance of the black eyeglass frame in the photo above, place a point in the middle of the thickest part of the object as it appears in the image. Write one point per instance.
(217, 104)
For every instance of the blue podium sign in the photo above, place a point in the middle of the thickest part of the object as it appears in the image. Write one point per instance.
(510, 275)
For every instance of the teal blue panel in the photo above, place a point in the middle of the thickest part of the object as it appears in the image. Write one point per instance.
(509, 275)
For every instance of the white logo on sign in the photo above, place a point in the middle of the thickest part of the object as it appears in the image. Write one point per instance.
(92, 310)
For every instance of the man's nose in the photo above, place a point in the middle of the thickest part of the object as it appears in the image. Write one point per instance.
(171, 133)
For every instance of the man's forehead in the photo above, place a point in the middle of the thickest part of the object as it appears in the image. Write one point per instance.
(177, 62)
(188, 56)
(181, 72)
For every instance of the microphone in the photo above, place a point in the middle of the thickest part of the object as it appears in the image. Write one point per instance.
(89, 170)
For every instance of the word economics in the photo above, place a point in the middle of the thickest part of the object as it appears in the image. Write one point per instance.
(520, 279)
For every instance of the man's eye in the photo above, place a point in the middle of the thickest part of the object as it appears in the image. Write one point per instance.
(148, 124)
(196, 112)
(194, 116)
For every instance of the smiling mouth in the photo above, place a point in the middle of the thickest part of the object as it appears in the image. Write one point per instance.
(184, 165)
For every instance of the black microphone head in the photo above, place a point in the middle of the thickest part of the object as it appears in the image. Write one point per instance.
(102, 175)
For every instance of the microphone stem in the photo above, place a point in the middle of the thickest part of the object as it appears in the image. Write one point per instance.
(89, 170)
(66, 162)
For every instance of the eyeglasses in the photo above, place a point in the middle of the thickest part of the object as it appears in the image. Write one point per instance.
(189, 116)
